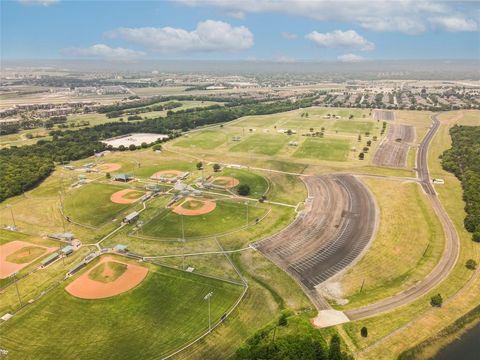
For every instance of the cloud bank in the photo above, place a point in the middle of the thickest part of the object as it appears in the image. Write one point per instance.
(103, 51)
(341, 39)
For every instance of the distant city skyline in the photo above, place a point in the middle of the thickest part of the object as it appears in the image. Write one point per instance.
(282, 31)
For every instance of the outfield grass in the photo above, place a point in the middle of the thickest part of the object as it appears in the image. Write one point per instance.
(25, 255)
(203, 140)
(264, 144)
(324, 149)
(163, 313)
(259, 185)
(107, 272)
(227, 216)
(91, 204)
(410, 230)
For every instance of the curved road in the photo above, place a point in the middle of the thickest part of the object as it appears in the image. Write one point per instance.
(450, 254)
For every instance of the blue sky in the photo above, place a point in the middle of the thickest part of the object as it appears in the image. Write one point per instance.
(282, 30)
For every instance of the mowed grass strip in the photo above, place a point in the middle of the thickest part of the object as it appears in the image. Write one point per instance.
(263, 144)
(352, 126)
(107, 272)
(324, 149)
(409, 230)
(91, 204)
(227, 216)
(25, 255)
(202, 140)
(160, 315)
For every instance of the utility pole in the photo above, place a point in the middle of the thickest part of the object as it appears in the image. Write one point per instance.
(207, 297)
(183, 229)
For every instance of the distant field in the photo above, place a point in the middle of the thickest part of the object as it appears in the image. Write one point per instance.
(91, 204)
(352, 126)
(203, 140)
(164, 312)
(261, 144)
(227, 216)
(324, 149)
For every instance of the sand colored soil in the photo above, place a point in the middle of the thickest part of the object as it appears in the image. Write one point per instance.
(226, 181)
(7, 268)
(86, 288)
(197, 207)
(120, 197)
(166, 174)
(109, 167)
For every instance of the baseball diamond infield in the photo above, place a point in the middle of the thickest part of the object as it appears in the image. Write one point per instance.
(85, 287)
(123, 197)
(227, 181)
(166, 174)
(193, 207)
(108, 167)
(13, 249)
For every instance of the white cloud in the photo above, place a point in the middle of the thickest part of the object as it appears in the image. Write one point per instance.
(289, 36)
(341, 39)
(103, 51)
(38, 2)
(407, 16)
(284, 59)
(454, 23)
(349, 58)
(208, 36)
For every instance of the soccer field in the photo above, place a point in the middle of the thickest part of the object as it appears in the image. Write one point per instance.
(163, 313)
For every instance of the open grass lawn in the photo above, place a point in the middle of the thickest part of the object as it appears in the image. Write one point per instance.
(91, 204)
(352, 126)
(163, 313)
(324, 149)
(148, 170)
(203, 140)
(227, 216)
(262, 144)
(135, 194)
(258, 184)
(25, 255)
(107, 272)
(409, 230)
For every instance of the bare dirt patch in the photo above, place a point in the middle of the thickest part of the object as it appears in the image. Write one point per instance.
(86, 288)
(227, 181)
(126, 196)
(194, 207)
(17, 258)
(166, 174)
(108, 167)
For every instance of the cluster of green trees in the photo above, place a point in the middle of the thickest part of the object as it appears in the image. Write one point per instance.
(74, 145)
(463, 159)
(312, 346)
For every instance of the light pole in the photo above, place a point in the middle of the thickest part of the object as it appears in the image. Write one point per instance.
(207, 297)
(11, 212)
(14, 275)
(183, 229)
(246, 203)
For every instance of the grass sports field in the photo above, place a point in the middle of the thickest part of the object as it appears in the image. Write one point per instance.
(91, 204)
(261, 144)
(331, 149)
(163, 313)
(227, 216)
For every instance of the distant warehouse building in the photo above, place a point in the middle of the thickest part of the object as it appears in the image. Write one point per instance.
(67, 250)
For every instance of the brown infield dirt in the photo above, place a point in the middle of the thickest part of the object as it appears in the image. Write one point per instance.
(7, 268)
(227, 181)
(205, 208)
(119, 197)
(109, 167)
(86, 288)
(166, 173)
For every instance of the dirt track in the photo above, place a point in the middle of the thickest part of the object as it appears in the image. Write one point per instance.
(450, 254)
(336, 225)
(394, 148)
